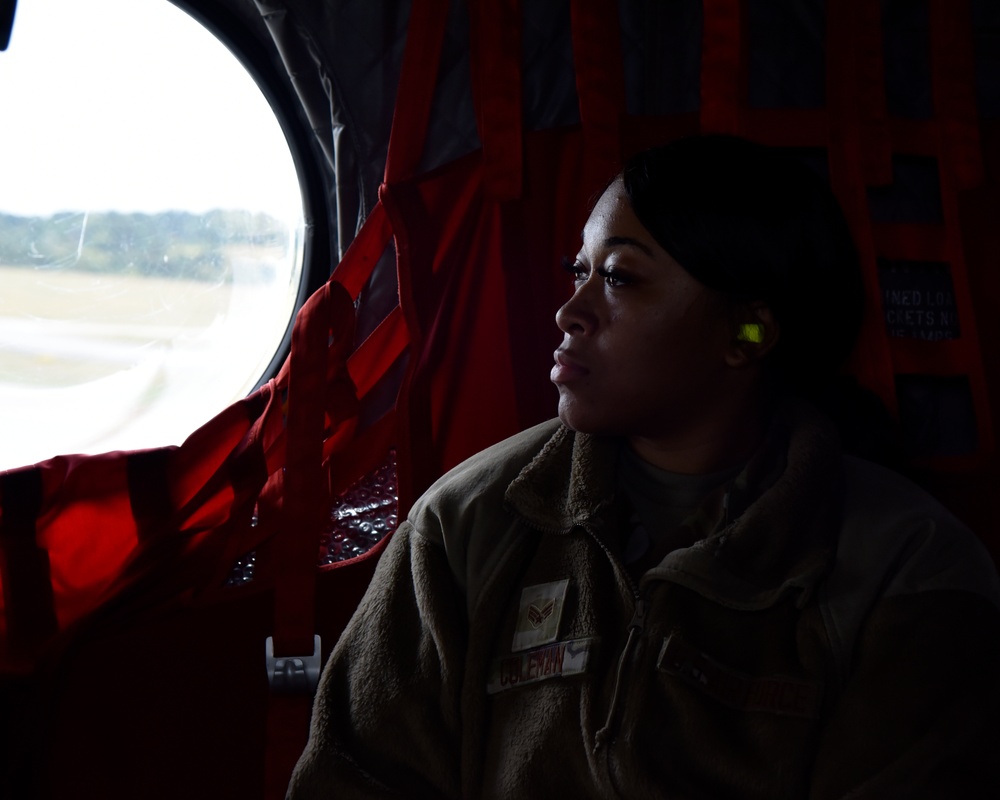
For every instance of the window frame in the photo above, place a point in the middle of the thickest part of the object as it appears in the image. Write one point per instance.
(307, 158)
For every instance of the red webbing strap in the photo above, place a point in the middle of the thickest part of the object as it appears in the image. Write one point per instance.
(410, 120)
(413, 403)
(305, 505)
(378, 352)
(415, 93)
(304, 502)
(355, 268)
(721, 66)
(495, 61)
(600, 85)
(247, 470)
(24, 567)
(304, 483)
(869, 83)
(953, 83)
(199, 471)
(872, 362)
(953, 86)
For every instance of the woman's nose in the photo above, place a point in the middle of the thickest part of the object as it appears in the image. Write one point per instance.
(577, 314)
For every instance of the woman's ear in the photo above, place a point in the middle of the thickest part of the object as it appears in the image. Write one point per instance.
(755, 333)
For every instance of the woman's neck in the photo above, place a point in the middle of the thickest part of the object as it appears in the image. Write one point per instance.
(716, 444)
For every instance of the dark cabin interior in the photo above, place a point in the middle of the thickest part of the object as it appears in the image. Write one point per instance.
(448, 153)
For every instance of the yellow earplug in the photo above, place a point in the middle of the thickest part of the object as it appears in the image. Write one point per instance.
(751, 332)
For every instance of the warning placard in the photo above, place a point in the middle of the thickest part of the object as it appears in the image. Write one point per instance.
(918, 300)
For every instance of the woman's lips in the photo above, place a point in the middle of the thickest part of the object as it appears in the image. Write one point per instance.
(566, 368)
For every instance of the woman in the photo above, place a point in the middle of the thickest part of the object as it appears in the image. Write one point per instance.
(681, 587)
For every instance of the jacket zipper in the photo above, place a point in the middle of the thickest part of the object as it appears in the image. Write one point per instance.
(634, 631)
(635, 628)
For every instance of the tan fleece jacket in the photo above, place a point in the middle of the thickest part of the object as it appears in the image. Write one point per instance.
(836, 634)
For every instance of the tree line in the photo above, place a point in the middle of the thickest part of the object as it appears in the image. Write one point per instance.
(170, 244)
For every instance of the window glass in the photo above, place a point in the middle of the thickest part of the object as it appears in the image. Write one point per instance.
(150, 229)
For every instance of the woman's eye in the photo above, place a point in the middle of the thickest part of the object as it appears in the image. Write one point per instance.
(613, 277)
(576, 269)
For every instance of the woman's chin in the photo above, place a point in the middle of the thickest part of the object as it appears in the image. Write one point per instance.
(580, 419)
(567, 415)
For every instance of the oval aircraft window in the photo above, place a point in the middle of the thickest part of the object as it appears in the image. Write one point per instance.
(150, 229)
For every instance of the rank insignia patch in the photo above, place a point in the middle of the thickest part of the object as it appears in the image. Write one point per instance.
(539, 614)
(536, 615)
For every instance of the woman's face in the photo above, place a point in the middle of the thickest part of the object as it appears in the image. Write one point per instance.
(646, 347)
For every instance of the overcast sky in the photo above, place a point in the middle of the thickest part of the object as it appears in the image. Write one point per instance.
(130, 105)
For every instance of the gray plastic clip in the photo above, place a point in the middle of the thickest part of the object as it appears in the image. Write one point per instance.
(293, 674)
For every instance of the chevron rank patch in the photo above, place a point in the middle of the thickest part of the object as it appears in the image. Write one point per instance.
(539, 614)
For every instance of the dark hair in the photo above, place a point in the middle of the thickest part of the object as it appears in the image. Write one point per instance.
(755, 224)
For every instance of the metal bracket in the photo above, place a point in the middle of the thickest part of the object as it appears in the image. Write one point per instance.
(293, 674)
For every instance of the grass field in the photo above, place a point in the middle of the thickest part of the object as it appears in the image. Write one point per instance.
(93, 362)
(41, 310)
(93, 297)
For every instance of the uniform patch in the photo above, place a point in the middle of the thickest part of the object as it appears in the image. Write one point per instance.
(551, 661)
(775, 694)
(539, 614)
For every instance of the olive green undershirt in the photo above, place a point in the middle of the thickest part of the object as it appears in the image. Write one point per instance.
(661, 501)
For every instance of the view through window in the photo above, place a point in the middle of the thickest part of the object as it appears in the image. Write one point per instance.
(150, 229)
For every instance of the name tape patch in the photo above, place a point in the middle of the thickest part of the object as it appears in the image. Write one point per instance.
(539, 614)
(556, 660)
(775, 694)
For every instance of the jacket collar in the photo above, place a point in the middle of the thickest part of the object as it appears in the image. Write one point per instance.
(779, 533)
(570, 483)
